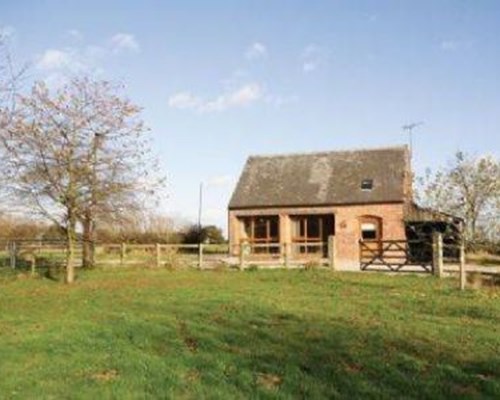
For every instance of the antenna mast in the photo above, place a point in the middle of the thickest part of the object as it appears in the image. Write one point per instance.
(409, 128)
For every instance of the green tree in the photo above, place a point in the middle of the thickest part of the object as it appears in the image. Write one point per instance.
(208, 234)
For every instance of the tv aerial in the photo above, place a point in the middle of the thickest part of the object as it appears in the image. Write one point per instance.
(409, 128)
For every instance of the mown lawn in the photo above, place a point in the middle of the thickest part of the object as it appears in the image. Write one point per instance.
(138, 334)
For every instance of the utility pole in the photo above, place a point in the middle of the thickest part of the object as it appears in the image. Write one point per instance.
(409, 128)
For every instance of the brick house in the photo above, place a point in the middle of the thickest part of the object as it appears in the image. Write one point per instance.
(302, 199)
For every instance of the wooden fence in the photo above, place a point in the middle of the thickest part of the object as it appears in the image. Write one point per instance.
(35, 253)
(413, 256)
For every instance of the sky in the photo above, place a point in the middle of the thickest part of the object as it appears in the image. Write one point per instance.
(222, 80)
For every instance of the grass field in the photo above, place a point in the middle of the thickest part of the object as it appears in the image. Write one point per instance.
(130, 334)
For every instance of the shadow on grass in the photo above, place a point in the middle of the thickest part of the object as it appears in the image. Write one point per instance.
(259, 352)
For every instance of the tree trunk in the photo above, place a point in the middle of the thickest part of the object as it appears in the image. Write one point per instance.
(88, 242)
(70, 249)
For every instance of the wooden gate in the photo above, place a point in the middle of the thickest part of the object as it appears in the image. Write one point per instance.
(396, 255)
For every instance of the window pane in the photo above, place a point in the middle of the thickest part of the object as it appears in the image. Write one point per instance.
(313, 227)
(302, 225)
(369, 234)
(274, 228)
(367, 184)
(260, 229)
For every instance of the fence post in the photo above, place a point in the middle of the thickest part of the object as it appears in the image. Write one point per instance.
(123, 251)
(463, 278)
(243, 250)
(287, 255)
(437, 254)
(332, 252)
(158, 255)
(200, 255)
(12, 251)
(33, 264)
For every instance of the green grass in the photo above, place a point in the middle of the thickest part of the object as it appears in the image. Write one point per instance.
(130, 334)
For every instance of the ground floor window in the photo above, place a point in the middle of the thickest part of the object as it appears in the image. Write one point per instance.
(371, 228)
(310, 233)
(260, 231)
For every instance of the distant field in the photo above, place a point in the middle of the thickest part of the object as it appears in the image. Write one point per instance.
(129, 334)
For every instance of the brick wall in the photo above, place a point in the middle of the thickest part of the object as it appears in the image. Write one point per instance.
(347, 226)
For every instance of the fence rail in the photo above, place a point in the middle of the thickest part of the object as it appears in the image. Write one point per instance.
(396, 255)
(52, 253)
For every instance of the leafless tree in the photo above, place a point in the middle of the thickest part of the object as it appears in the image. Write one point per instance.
(76, 153)
(10, 80)
(120, 170)
(469, 188)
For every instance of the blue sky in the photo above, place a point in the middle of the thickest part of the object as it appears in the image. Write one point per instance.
(220, 80)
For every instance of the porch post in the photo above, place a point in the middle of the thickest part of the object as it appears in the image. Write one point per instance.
(332, 253)
(285, 237)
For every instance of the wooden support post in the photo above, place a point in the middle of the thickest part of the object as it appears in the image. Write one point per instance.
(158, 255)
(33, 264)
(332, 252)
(437, 254)
(243, 250)
(463, 277)
(123, 251)
(12, 253)
(200, 256)
(287, 250)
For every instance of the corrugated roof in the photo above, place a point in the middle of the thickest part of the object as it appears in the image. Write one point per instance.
(325, 178)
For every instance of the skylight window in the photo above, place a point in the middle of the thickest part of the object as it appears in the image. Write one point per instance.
(367, 184)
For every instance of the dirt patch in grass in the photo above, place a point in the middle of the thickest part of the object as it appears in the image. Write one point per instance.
(105, 376)
(269, 381)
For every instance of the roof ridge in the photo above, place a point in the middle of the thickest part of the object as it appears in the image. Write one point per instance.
(311, 153)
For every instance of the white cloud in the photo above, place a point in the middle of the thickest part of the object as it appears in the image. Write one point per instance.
(59, 64)
(7, 32)
(240, 97)
(184, 100)
(246, 94)
(313, 57)
(75, 34)
(53, 59)
(255, 51)
(124, 41)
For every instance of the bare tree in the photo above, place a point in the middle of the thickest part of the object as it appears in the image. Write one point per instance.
(120, 170)
(10, 80)
(469, 188)
(75, 153)
(11, 76)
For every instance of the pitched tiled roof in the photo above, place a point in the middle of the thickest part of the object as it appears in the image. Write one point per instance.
(325, 178)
